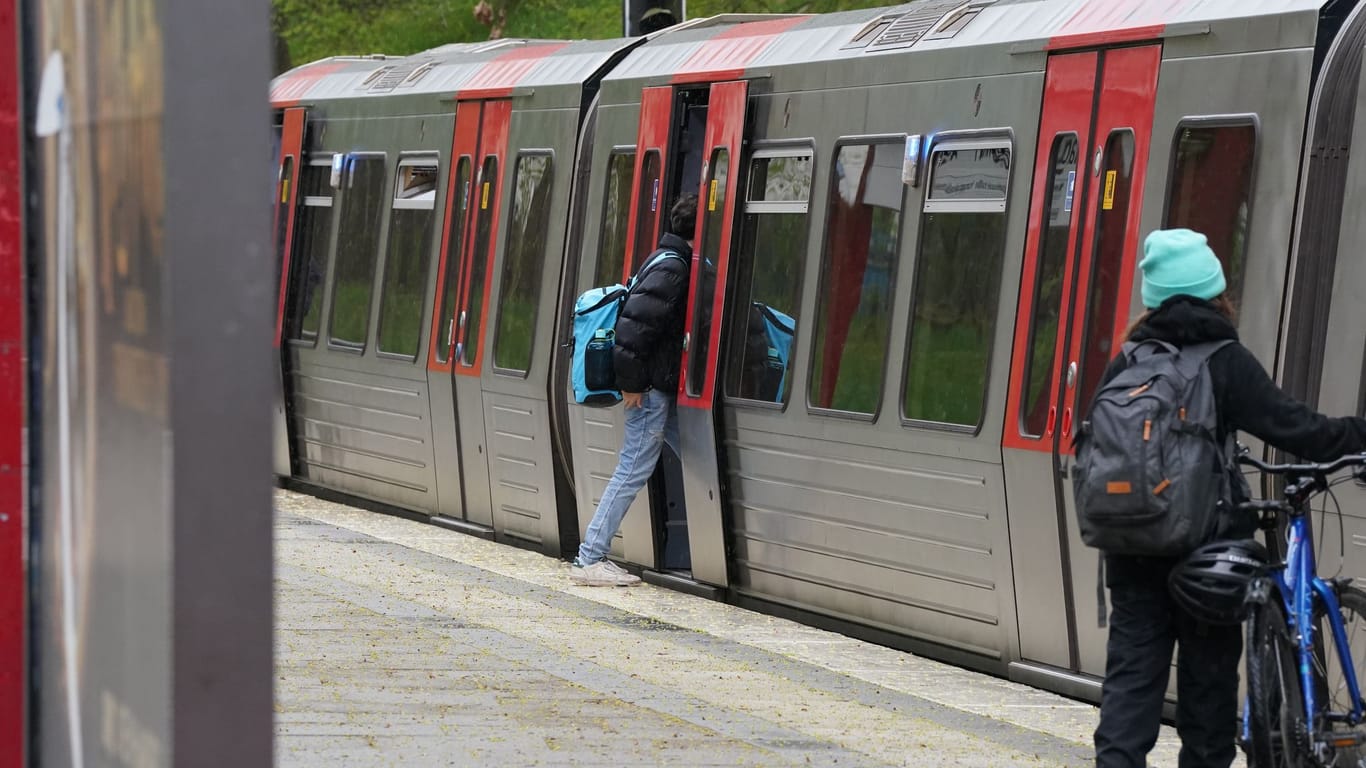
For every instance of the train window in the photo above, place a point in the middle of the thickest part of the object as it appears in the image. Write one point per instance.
(858, 270)
(524, 262)
(647, 207)
(486, 198)
(1042, 345)
(1112, 224)
(455, 240)
(1210, 190)
(768, 268)
(957, 282)
(714, 211)
(357, 244)
(616, 209)
(309, 262)
(408, 254)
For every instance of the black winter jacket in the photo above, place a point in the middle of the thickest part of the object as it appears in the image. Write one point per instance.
(1245, 397)
(649, 339)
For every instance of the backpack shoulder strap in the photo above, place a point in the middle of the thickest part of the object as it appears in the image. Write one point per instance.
(655, 259)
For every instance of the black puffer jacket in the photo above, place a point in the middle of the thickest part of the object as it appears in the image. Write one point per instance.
(1246, 398)
(650, 327)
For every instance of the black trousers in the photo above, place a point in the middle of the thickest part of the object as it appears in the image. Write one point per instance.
(1145, 624)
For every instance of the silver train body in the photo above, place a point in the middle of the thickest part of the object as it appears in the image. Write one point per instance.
(917, 245)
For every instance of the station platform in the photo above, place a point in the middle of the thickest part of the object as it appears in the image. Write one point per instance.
(401, 643)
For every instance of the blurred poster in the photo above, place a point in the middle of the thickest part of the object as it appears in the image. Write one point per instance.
(103, 521)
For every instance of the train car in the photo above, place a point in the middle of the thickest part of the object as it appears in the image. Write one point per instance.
(916, 254)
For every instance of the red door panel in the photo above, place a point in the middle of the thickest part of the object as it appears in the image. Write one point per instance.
(716, 207)
(1069, 96)
(652, 148)
(465, 145)
(493, 140)
(1117, 166)
(286, 202)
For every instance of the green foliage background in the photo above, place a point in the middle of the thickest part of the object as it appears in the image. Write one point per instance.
(307, 30)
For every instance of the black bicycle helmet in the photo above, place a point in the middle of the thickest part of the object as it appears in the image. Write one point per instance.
(1211, 583)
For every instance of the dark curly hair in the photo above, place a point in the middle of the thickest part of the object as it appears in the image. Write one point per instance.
(683, 217)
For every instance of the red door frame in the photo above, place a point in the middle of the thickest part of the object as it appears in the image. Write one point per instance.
(493, 142)
(1069, 100)
(656, 110)
(1127, 97)
(13, 607)
(725, 130)
(1123, 84)
(468, 117)
(287, 203)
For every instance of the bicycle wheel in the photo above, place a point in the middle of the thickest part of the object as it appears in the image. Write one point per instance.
(1278, 732)
(1331, 682)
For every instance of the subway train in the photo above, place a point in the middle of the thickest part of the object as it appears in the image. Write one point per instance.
(943, 203)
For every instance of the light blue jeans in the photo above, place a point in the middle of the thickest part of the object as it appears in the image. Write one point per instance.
(648, 428)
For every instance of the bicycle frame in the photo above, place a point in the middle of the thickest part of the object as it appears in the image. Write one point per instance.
(1299, 586)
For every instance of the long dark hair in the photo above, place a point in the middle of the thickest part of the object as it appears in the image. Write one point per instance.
(1221, 303)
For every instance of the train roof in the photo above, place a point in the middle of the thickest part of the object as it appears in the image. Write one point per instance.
(469, 70)
(727, 46)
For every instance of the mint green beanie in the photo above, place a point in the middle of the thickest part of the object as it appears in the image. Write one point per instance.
(1179, 262)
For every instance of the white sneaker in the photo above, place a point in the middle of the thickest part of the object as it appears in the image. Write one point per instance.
(603, 573)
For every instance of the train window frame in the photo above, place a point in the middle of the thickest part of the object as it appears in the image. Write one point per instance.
(408, 196)
(486, 185)
(1035, 291)
(617, 151)
(1231, 120)
(347, 180)
(893, 139)
(324, 161)
(454, 253)
(802, 148)
(992, 138)
(548, 178)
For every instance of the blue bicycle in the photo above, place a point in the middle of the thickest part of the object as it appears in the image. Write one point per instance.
(1305, 648)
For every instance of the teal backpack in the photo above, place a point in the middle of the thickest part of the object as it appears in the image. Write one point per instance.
(591, 371)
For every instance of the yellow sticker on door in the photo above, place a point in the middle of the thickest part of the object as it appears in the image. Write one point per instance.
(484, 201)
(711, 196)
(1109, 202)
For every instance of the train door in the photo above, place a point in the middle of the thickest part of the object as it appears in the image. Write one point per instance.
(702, 454)
(1081, 250)
(471, 307)
(455, 239)
(286, 198)
(635, 541)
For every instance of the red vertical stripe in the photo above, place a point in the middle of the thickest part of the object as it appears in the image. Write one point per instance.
(493, 141)
(286, 203)
(12, 402)
(725, 130)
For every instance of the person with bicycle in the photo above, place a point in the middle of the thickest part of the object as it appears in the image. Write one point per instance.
(1183, 289)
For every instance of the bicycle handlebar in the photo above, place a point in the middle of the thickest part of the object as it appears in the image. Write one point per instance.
(1327, 468)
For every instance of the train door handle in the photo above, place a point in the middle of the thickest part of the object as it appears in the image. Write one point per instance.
(462, 320)
(1067, 421)
(1052, 421)
(450, 332)
(1071, 379)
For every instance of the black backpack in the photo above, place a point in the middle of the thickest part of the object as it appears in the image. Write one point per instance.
(1151, 476)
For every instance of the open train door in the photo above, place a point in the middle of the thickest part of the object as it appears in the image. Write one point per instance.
(700, 444)
(286, 205)
(595, 458)
(1080, 257)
